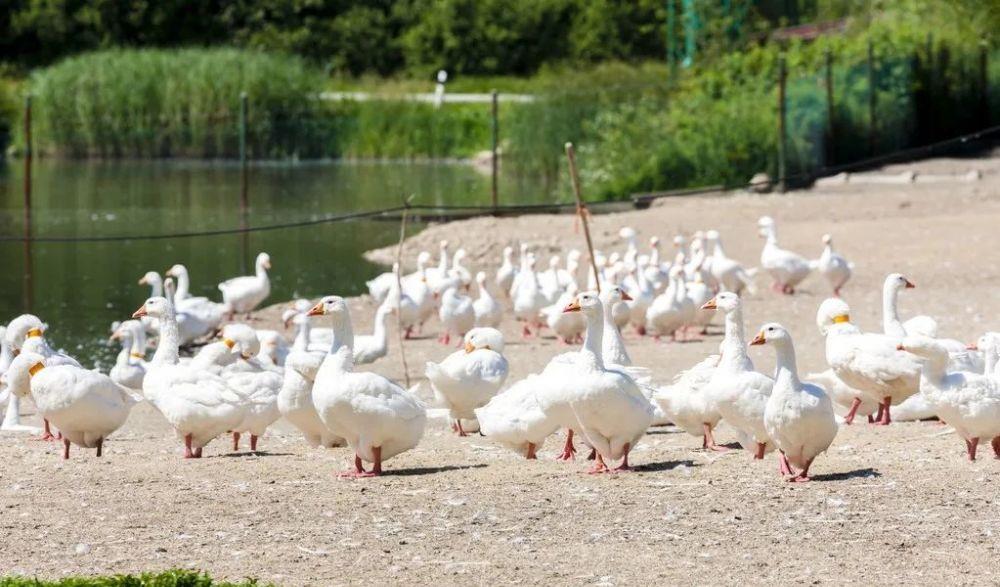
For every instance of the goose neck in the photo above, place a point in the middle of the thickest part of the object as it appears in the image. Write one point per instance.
(734, 353)
(594, 338)
(891, 324)
(343, 333)
(301, 342)
(167, 349)
(786, 371)
(183, 286)
(990, 360)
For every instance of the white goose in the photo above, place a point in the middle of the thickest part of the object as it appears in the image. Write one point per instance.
(528, 298)
(739, 392)
(609, 408)
(515, 419)
(487, 309)
(457, 314)
(672, 310)
(505, 274)
(372, 347)
(128, 370)
(728, 272)
(799, 416)
(257, 384)
(567, 326)
(243, 294)
(468, 379)
(867, 362)
(85, 405)
(968, 402)
(197, 404)
(378, 418)
(295, 400)
(686, 404)
(833, 266)
(190, 326)
(14, 336)
(788, 269)
(205, 309)
(29, 329)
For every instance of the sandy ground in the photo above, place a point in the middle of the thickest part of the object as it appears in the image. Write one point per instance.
(898, 505)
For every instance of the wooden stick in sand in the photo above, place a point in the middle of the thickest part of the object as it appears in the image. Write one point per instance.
(399, 289)
(582, 212)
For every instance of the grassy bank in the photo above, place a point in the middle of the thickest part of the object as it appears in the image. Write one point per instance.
(165, 579)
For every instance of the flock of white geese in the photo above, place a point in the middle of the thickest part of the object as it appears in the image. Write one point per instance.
(245, 380)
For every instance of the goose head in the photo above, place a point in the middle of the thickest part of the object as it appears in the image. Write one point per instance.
(288, 317)
(423, 259)
(241, 339)
(588, 303)
(176, 271)
(508, 254)
(157, 307)
(151, 278)
(679, 242)
(615, 294)
(484, 338)
(726, 301)
(460, 254)
(896, 282)
(21, 328)
(481, 279)
(765, 227)
(832, 311)
(654, 242)
(17, 377)
(987, 343)
(772, 333)
(827, 239)
(263, 261)
(333, 306)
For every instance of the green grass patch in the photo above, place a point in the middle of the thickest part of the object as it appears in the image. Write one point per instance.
(176, 578)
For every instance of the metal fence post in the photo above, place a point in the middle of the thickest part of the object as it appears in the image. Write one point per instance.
(27, 296)
(494, 151)
(244, 183)
(872, 122)
(782, 152)
(831, 137)
(984, 84)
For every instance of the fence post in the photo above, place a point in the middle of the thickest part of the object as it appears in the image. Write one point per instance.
(494, 151)
(581, 211)
(984, 85)
(782, 169)
(28, 277)
(831, 137)
(244, 183)
(872, 122)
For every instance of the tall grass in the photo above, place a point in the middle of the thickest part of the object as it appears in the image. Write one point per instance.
(182, 102)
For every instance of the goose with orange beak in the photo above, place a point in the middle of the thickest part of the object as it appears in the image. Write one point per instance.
(468, 379)
(799, 416)
(378, 418)
(739, 391)
(606, 406)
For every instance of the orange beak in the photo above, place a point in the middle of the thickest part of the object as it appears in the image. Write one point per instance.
(316, 310)
(909, 284)
(626, 297)
(573, 306)
(267, 264)
(469, 347)
(899, 347)
(759, 339)
(140, 312)
(972, 347)
(709, 305)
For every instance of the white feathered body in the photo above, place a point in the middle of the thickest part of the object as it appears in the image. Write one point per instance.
(86, 406)
(465, 381)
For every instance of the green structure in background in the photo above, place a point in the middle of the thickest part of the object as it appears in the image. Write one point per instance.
(693, 24)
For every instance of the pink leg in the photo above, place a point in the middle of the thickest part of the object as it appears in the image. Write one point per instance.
(100, 446)
(761, 449)
(996, 447)
(871, 419)
(640, 330)
(624, 466)
(803, 476)
(886, 417)
(970, 446)
(188, 454)
(592, 454)
(253, 442)
(461, 431)
(530, 453)
(783, 467)
(46, 432)
(65, 448)
(197, 452)
(855, 404)
(599, 466)
(569, 451)
(709, 441)
(358, 471)
(236, 441)
(525, 331)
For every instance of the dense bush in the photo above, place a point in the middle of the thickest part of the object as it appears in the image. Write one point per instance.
(176, 103)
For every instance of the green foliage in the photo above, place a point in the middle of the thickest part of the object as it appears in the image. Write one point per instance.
(8, 113)
(176, 103)
(176, 578)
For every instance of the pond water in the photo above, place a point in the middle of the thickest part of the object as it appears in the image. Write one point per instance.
(80, 288)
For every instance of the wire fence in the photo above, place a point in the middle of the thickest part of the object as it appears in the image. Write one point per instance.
(796, 121)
